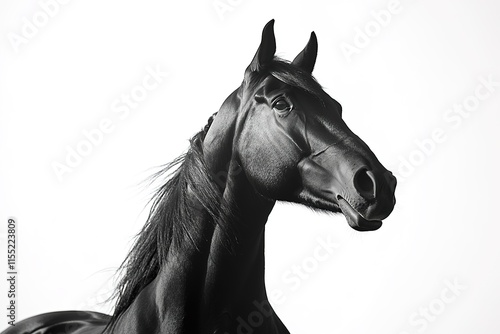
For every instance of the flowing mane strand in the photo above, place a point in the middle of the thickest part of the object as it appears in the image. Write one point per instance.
(170, 221)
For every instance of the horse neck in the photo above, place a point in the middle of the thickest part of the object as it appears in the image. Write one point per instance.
(234, 281)
(206, 286)
(209, 287)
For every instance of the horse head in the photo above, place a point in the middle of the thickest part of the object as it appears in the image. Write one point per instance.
(292, 144)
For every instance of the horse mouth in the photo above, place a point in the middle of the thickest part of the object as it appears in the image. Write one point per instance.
(354, 218)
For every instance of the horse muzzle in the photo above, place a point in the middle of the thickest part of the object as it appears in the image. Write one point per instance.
(363, 194)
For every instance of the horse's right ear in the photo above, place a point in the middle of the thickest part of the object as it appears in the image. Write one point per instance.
(267, 48)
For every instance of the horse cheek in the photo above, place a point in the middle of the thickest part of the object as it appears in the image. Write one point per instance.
(272, 173)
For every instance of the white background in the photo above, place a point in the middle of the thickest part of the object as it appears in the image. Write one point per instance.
(395, 92)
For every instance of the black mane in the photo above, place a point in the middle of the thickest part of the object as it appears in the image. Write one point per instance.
(170, 221)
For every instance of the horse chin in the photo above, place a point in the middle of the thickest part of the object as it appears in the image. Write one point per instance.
(354, 218)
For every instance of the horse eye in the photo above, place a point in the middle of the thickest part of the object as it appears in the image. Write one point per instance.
(282, 106)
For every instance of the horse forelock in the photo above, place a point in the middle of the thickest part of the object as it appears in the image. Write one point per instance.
(288, 74)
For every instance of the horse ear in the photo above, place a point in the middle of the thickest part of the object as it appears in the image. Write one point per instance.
(267, 48)
(307, 57)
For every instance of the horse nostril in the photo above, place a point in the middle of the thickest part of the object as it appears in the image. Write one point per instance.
(364, 182)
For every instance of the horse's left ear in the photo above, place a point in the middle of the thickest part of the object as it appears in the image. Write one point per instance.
(267, 48)
(307, 58)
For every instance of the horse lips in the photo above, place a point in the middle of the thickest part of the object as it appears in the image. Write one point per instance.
(355, 220)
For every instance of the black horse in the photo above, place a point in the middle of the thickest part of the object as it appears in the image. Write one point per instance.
(198, 263)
